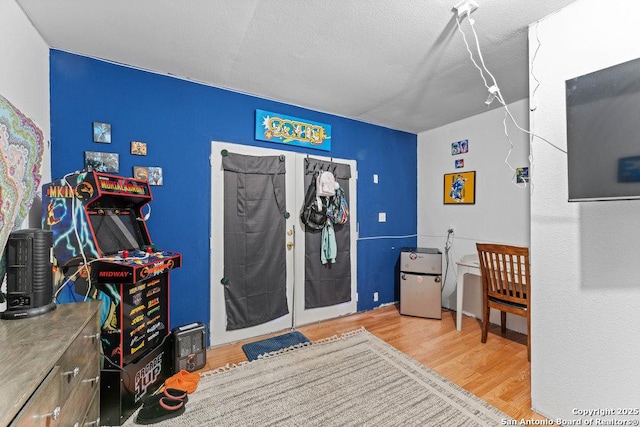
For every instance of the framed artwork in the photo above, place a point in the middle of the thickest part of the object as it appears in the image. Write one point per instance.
(138, 148)
(102, 162)
(102, 132)
(141, 172)
(522, 175)
(459, 147)
(155, 175)
(459, 163)
(460, 188)
(152, 174)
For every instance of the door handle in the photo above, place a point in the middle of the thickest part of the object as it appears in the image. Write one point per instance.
(289, 245)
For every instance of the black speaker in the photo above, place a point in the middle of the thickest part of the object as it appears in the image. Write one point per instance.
(189, 347)
(29, 273)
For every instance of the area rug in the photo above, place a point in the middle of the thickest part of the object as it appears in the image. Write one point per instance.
(353, 380)
(271, 345)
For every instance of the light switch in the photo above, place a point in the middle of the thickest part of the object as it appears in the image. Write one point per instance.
(382, 217)
(375, 178)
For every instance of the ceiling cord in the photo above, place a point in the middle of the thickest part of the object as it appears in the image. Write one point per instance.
(464, 37)
(533, 104)
(494, 93)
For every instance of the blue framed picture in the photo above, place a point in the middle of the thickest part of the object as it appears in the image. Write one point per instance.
(459, 147)
(102, 132)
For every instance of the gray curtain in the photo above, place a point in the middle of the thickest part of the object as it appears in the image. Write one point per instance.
(327, 284)
(254, 239)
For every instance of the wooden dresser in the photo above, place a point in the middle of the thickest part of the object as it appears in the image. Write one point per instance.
(50, 368)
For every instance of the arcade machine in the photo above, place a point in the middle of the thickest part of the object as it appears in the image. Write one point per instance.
(103, 250)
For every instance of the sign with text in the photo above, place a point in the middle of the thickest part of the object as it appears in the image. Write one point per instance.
(282, 129)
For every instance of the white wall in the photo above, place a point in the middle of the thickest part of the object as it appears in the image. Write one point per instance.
(501, 211)
(585, 328)
(24, 77)
(24, 81)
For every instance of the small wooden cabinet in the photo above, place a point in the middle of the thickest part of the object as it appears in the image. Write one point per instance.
(50, 368)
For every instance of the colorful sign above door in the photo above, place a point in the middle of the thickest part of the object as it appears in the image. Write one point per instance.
(283, 129)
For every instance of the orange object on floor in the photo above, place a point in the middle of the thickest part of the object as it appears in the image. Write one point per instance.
(183, 380)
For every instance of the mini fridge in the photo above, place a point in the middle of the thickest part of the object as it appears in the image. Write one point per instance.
(420, 282)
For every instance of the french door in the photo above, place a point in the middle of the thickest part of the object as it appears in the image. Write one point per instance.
(293, 240)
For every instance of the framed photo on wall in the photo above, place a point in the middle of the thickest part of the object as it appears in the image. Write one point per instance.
(138, 148)
(522, 175)
(102, 162)
(141, 172)
(102, 132)
(460, 188)
(459, 147)
(155, 175)
(152, 174)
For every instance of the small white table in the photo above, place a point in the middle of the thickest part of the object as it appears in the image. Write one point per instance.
(468, 265)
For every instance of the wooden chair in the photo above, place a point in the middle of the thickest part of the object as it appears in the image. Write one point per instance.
(506, 284)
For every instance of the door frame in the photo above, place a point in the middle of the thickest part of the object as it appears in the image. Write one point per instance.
(295, 192)
(217, 318)
(300, 315)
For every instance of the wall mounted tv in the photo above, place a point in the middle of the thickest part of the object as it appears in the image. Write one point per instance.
(603, 134)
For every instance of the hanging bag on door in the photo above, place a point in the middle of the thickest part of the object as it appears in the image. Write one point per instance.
(314, 212)
(338, 208)
(325, 184)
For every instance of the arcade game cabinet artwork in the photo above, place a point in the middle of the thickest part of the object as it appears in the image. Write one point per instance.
(102, 250)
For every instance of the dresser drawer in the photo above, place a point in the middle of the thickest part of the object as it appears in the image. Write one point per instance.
(44, 407)
(75, 409)
(80, 361)
(93, 415)
(51, 366)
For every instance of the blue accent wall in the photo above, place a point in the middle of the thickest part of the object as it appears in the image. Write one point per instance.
(178, 120)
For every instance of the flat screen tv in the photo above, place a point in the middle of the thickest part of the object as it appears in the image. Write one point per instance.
(603, 134)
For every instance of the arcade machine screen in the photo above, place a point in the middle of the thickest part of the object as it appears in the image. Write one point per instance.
(116, 230)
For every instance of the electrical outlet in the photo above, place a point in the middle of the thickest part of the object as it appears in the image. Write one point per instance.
(375, 297)
(450, 230)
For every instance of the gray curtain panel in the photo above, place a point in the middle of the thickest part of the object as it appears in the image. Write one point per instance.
(327, 284)
(254, 239)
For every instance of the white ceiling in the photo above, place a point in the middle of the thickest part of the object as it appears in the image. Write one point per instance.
(396, 63)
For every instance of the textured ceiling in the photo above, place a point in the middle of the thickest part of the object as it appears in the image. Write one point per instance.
(400, 63)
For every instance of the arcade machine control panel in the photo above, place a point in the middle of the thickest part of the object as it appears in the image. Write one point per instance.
(132, 266)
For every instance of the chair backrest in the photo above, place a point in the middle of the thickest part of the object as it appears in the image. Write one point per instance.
(505, 272)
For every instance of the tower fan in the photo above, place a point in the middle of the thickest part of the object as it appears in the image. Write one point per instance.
(29, 273)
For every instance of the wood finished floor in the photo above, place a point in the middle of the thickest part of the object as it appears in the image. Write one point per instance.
(498, 372)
